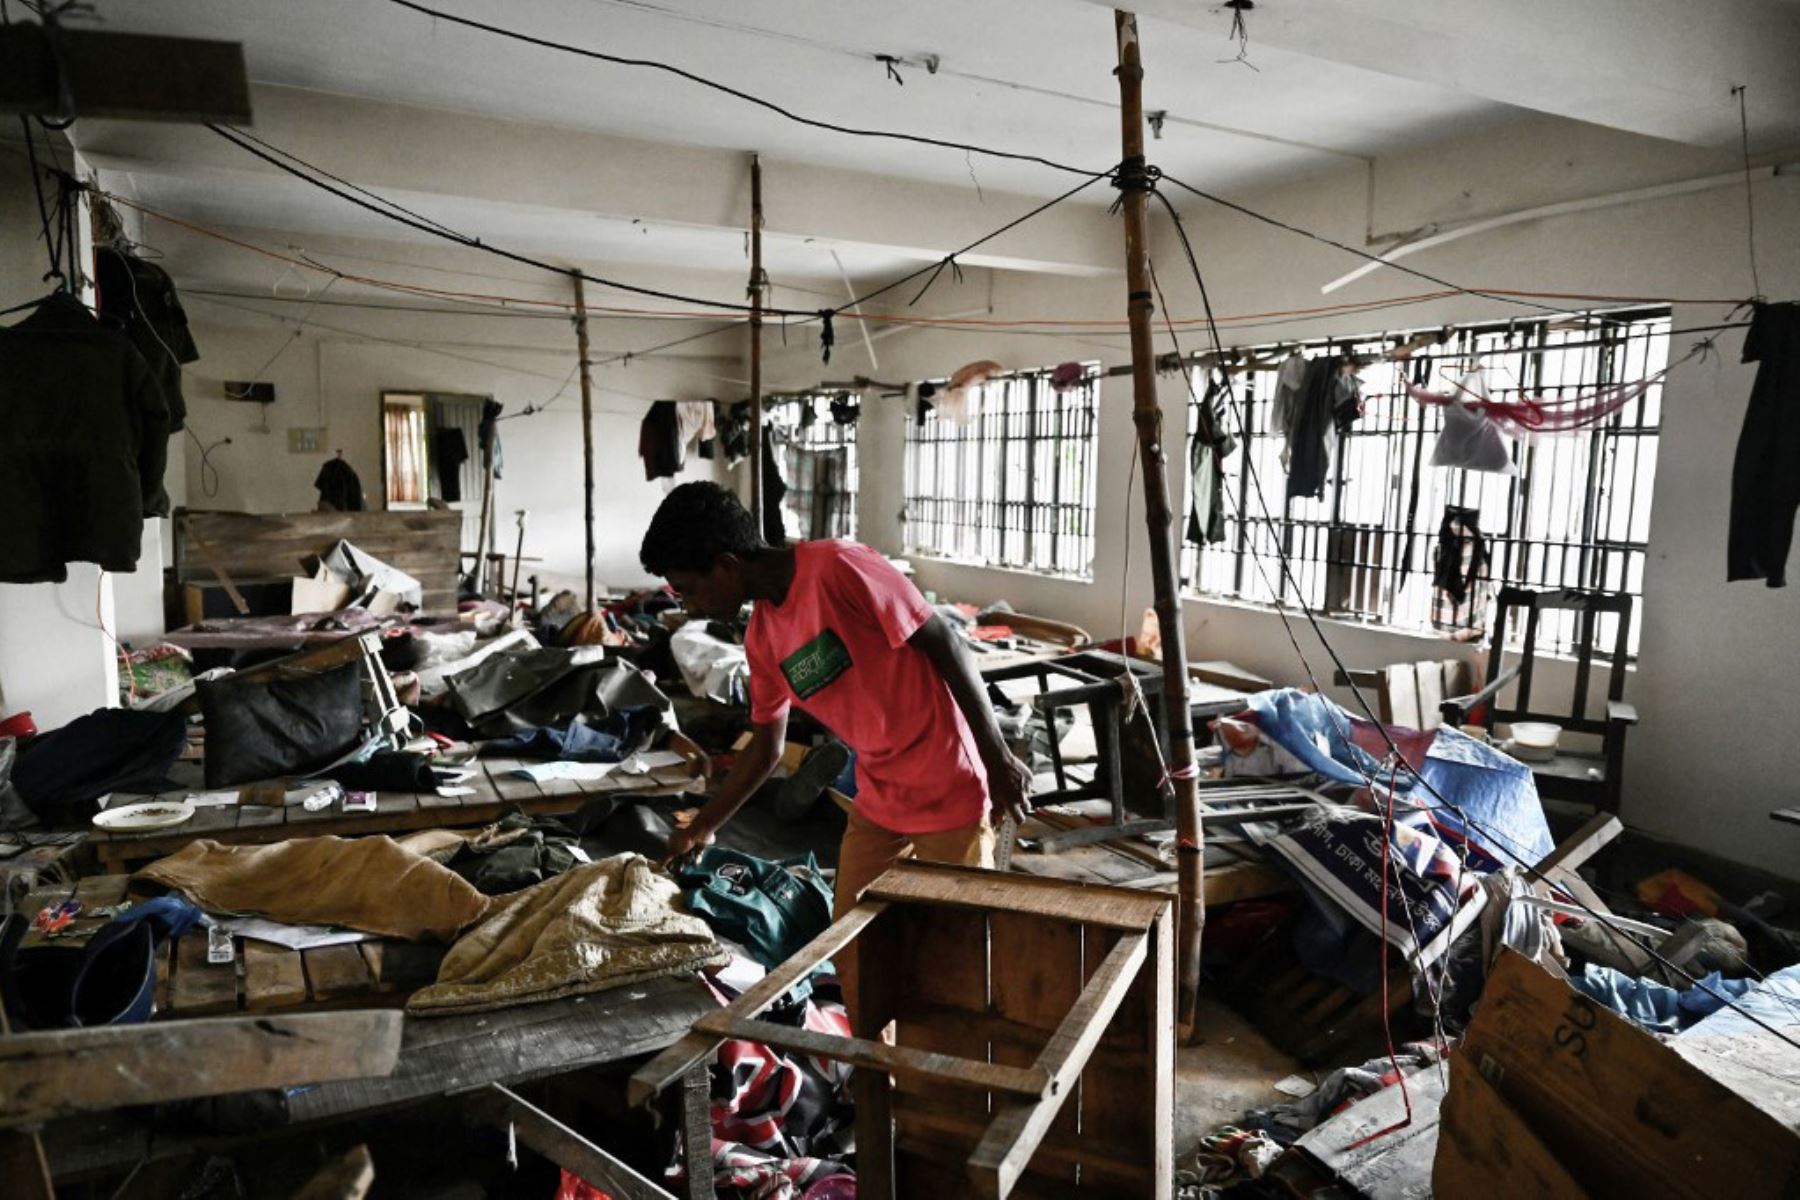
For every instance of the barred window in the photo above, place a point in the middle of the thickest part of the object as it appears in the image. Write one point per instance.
(1008, 481)
(818, 458)
(1576, 514)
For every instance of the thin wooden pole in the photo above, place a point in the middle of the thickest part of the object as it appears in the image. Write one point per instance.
(587, 432)
(1146, 414)
(757, 285)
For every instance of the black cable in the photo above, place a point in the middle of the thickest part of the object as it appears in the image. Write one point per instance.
(1489, 838)
(1363, 254)
(770, 105)
(477, 244)
(206, 468)
(395, 205)
(1749, 197)
(949, 260)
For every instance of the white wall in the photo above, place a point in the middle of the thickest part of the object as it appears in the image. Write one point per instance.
(332, 376)
(1714, 751)
(55, 661)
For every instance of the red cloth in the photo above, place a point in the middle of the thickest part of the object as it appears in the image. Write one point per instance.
(837, 647)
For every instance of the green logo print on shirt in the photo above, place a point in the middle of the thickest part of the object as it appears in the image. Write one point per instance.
(816, 664)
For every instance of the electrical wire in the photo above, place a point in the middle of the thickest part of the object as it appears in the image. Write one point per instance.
(1501, 296)
(1749, 193)
(725, 89)
(1489, 841)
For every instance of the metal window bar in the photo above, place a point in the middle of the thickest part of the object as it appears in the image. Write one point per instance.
(1013, 484)
(818, 458)
(1576, 514)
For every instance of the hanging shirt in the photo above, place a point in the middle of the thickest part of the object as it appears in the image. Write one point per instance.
(450, 451)
(838, 647)
(142, 296)
(84, 439)
(1765, 476)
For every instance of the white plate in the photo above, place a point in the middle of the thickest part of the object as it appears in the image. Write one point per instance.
(152, 814)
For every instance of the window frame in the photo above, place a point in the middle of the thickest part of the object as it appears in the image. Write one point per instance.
(1021, 433)
(1349, 566)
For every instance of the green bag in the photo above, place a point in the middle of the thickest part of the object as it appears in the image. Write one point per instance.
(771, 909)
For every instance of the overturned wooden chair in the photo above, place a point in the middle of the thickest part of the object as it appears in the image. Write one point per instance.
(1592, 778)
(1033, 1035)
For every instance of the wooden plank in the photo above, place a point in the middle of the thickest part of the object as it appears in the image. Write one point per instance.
(563, 1146)
(64, 1071)
(336, 971)
(872, 1009)
(941, 976)
(1403, 694)
(507, 786)
(515, 1045)
(1582, 1077)
(1584, 843)
(197, 986)
(1052, 1159)
(273, 976)
(259, 816)
(920, 1065)
(164, 955)
(678, 1059)
(346, 1177)
(967, 887)
(1484, 1148)
(1018, 1129)
(1430, 681)
(1037, 970)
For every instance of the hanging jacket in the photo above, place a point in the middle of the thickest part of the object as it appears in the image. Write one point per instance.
(142, 295)
(85, 442)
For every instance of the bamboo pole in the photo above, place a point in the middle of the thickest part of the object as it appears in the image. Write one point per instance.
(587, 431)
(1146, 414)
(757, 285)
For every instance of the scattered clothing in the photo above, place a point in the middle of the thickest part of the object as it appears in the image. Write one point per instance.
(487, 434)
(515, 853)
(771, 909)
(712, 667)
(1655, 1006)
(521, 689)
(601, 925)
(1207, 451)
(1290, 381)
(340, 488)
(63, 773)
(659, 440)
(387, 771)
(86, 443)
(611, 739)
(1326, 404)
(142, 295)
(1765, 477)
(841, 637)
(775, 489)
(1460, 589)
(367, 883)
(1775, 1000)
(694, 422)
(449, 451)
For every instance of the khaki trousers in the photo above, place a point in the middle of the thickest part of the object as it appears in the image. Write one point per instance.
(868, 849)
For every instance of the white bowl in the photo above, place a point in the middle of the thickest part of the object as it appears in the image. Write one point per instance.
(1535, 741)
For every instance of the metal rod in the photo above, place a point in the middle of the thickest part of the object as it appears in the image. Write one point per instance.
(1147, 416)
(587, 431)
(757, 285)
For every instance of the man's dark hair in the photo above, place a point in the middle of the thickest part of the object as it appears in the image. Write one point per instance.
(694, 525)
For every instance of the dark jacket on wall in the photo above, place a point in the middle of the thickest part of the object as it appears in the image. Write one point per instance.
(84, 443)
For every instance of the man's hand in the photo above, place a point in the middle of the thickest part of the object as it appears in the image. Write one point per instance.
(685, 844)
(1009, 784)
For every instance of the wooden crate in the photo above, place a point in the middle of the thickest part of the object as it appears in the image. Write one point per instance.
(1014, 1035)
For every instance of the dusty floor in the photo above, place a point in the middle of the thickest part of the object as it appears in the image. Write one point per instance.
(1234, 1069)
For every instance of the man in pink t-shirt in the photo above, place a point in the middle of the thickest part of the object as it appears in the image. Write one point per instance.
(838, 632)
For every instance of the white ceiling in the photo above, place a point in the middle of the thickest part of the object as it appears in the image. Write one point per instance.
(1034, 76)
(1327, 82)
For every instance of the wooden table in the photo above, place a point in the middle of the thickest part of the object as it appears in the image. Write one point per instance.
(497, 793)
(475, 1056)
